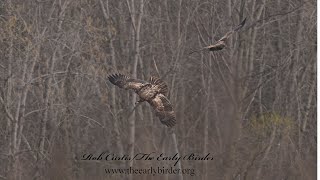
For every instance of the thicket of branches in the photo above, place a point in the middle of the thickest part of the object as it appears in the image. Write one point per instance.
(252, 105)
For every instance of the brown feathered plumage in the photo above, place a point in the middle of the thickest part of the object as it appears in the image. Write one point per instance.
(221, 43)
(154, 92)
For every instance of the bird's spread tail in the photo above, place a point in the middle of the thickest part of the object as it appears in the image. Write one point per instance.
(160, 83)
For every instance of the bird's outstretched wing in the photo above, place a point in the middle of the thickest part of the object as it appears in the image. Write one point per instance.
(164, 110)
(240, 25)
(159, 85)
(237, 28)
(126, 82)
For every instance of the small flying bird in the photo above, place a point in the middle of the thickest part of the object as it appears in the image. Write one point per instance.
(154, 92)
(221, 43)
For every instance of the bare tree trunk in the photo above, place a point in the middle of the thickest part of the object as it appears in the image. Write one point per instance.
(294, 85)
(266, 153)
(310, 99)
(106, 13)
(8, 101)
(136, 23)
(176, 150)
(207, 86)
(253, 34)
(21, 106)
(43, 128)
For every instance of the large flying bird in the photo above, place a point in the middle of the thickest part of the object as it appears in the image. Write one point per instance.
(154, 92)
(221, 43)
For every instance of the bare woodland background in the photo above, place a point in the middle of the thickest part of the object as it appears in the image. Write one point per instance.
(253, 105)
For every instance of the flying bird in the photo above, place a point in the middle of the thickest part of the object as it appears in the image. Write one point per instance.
(153, 91)
(221, 43)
